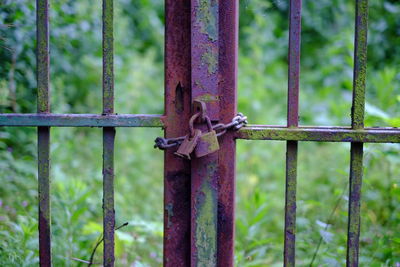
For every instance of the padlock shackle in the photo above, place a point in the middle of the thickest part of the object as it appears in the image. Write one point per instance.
(191, 122)
(209, 125)
(193, 119)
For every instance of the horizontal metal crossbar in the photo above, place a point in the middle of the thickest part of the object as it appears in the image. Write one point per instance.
(252, 132)
(81, 120)
(320, 134)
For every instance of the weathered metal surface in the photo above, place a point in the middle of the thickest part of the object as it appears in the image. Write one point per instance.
(204, 211)
(43, 55)
(228, 50)
(108, 195)
(204, 42)
(208, 142)
(204, 171)
(44, 196)
(294, 63)
(108, 135)
(356, 173)
(320, 134)
(290, 203)
(108, 57)
(214, 68)
(237, 123)
(360, 64)
(42, 17)
(188, 145)
(357, 122)
(204, 196)
(81, 120)
(177, 111)
(292, 122)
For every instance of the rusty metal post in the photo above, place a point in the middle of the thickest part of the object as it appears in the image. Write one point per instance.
(292, 122)
(357, 123)
(43, 82)
(204, 171)
(228, 63)
(177, 114)
(213, 80)
(108, 135)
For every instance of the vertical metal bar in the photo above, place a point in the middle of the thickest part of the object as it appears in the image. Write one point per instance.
(357, 122)
(214, 40)
(228, 58)
(108, 57)
(177, 111)
(108, 195)
(205, 170)
(43, 57)
(292, 121)
(44, 196)
(290, 203)
(42, 13)
(108, 135)
(360, 64)
(356, 172)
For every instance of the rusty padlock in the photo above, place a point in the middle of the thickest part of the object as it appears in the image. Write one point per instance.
(190, 141)
(188, 145)
(208, 142)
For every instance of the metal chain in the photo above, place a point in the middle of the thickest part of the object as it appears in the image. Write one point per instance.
(237, 122)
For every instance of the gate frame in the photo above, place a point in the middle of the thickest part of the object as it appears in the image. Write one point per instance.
(201, 63)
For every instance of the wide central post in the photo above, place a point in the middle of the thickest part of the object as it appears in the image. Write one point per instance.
(213, 81)
(200, 64)
(204, 171)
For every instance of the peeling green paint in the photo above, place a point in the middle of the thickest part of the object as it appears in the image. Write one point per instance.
(210, 58)
(207, 98)
(206, 221)
(207, 17)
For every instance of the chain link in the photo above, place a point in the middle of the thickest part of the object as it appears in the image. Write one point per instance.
(237, 122)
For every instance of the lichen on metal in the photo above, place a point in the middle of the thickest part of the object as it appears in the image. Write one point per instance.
(206, 221)
(108, 135)
(108, 57)
(210, 59)
(360, 64)
(356, 173)
(207, 18)
(206, 97)
(320, 134)
(81, 120)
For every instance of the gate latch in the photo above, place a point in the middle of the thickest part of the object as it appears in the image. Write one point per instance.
(196, 141)
(201, 143)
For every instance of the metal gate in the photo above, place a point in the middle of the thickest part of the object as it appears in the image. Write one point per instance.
(201, 65)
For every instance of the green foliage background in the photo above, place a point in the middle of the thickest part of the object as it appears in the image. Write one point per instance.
(326, 84)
